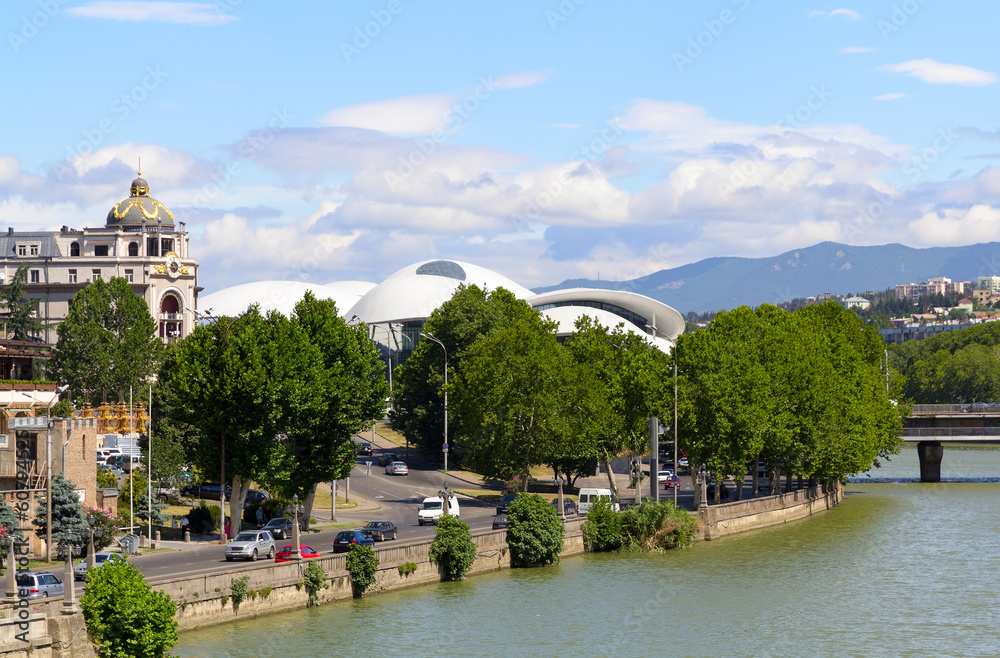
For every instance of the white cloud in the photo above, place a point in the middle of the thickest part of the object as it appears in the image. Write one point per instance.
(184, 13)
(957, 226)
(518, 80)
(890, 97)
(856, 50)
(849, 14)
(407, 115)
(943, 74)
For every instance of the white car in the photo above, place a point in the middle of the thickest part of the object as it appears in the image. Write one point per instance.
(432, 508)
(664, 475)
(396, 468)
(250, 545)
(80, 572)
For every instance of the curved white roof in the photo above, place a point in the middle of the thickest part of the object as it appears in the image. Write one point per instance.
(666, 319)
(281, 296)
(414, 292)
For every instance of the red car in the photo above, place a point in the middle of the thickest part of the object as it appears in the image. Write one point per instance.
(287, 553)
(672, 482)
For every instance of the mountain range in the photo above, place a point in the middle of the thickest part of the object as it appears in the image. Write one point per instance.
(724, 283)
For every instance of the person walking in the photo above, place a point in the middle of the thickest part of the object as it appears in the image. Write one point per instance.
(260, 516)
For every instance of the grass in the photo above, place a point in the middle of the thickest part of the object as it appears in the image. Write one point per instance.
(322, 500)
(383, 429)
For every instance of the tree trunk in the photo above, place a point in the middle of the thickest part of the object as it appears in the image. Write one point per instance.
(755, 482)
(307, 506)
(788, 483)
(240, 490)
(739, 488)
(611, 477)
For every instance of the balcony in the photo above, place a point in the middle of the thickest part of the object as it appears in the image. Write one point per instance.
(171, 316)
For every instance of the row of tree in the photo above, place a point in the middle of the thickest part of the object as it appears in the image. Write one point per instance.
(952, 367)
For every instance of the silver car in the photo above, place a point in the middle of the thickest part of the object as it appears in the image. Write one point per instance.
(251, 544)
(41, 585)
(80, 572)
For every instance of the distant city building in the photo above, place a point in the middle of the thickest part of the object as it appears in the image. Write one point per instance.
(826, 296)
(938, 285)
(905, 329)
(991, 283)
(859, 303)
(139, 241)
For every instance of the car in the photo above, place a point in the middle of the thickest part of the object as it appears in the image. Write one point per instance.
(568, 502)
(281, 527)
(80, 572)
(39, 585)
(500, 522)
(110, 468)
(346, 539)
(365, 449)
(256, 497)
(287, 553)
(664, 475)
(127, 463)
(673, 482)
(380, 530)
(396, 468)
(250, 545)
(433, 508)
(206, 490)
(505, 503)
(104, 453)
(386, 458)
(723, 493)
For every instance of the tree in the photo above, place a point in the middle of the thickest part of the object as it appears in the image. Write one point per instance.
(362, 564)
(143, 511)
(107, 342)
(21, 315)
(68, 520)
(453, 549)
(535, 533)
(124, 616)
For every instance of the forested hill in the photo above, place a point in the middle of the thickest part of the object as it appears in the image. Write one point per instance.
(954, 366)
(725, 283)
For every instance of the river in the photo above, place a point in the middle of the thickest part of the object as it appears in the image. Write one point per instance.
(900, 568)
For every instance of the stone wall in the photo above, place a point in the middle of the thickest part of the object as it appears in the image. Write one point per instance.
(744, 515)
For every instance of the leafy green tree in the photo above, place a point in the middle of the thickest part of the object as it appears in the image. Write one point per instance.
(315, 580)
(107, 342)
(124, 616)
(21, 314)
(109, 524)
(362, 564)
(453, 549)
(535, 533)
(68, 520)
(143, 511)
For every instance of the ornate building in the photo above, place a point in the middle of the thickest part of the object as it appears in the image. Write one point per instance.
(139, 241)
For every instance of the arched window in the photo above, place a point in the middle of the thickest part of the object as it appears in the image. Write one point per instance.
(133, 248)
(74, 249)
(170, 304)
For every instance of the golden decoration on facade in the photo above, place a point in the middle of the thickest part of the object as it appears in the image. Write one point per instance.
(115, 418)
(137, 202)
(162, 267)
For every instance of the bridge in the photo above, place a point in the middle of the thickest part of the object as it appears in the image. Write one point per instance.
(932, 425)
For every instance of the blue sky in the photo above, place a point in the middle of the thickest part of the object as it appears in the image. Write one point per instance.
(546, 140)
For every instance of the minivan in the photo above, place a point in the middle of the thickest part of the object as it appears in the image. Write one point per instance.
(432, 509)
(590, 496)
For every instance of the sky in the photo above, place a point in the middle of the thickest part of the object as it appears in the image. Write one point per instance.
(549, 140)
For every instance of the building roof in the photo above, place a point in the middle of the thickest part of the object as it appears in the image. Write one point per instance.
(138, 209)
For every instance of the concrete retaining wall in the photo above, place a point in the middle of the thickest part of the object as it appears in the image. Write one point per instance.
(731, 518)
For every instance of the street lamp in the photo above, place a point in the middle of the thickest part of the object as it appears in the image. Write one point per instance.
(65, 552)
(444, 446)
(673, 350)
(10, 541)
(295, 526)
(89, 533)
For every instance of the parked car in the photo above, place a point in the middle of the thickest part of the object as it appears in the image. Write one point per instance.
(287, 553)
(500, 522)
(80, 572)
(281, 527)
(504, 504)
(723, 493)
(387, 458)
(345, 539)
(568, 502)
(111, 468)
(365, 449)
(250, 544)
(396, 468)
(104, 453)
(256, 497)
(380, 530)
(40, 585)
(206, 490)
(127, 463)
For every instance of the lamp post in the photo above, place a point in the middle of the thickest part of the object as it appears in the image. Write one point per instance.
(673, 350)
(10, 542)
(295, 526)
(444, 446)
(65, 552)
(562, 501)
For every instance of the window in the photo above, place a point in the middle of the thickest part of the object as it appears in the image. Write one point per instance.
(128, 276)
(34, 276)
(33, 249)
(22, 250)
(74, 249)
(152, 247)
(133, 248)
(72, 276)
(101, 250)
(97, 275)
(166, 246)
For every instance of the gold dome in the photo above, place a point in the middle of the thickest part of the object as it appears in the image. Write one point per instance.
(138, 209)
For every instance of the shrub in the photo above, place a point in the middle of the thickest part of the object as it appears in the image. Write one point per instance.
(407, 568)
(602, 531)
(651, 526)
(362, 564)
(239, 589)
(204, 519)
(315, 579)
(265, 592)
(124, 616)
(535, 533)
(452, 549)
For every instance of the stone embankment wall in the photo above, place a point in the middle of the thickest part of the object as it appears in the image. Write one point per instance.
(744, 515)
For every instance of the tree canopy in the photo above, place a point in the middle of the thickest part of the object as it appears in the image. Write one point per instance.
(21, 312)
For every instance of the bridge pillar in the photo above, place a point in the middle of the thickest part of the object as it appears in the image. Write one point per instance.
(930, 453)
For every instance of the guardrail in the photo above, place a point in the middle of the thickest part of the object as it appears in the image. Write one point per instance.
(971, 407)
(929, 432)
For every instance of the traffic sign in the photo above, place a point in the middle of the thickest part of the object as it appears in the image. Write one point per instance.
(444, 447)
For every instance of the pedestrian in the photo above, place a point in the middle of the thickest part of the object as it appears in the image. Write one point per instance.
(184, 523)
(173, 526)
(260, 516)
(280, 512)
(227, 527)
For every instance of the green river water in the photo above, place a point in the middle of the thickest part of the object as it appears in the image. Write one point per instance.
(900, 568)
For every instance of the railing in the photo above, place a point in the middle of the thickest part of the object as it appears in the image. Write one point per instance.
(967, 408)
(926, 432)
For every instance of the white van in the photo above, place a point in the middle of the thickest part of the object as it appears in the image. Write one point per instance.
(104, 453)
(432, 509)
(591, 496)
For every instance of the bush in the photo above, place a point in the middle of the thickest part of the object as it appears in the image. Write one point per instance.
(407, 568)
(535, 533)
(651, 526)
(238, 586)
(108, 522)
(315, 579)
(362, 564)
(452, 549)
(204, 519)
(602, 531)
(124, 616)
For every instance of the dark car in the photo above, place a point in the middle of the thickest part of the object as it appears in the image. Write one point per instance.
(280, 528)
(256, 497)
(504, 504)
(500, 522)
(568, 502)
(723, 493)
(365, 449)
(348, 538)
(206, 490)
(380, 530)
(387, 458)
